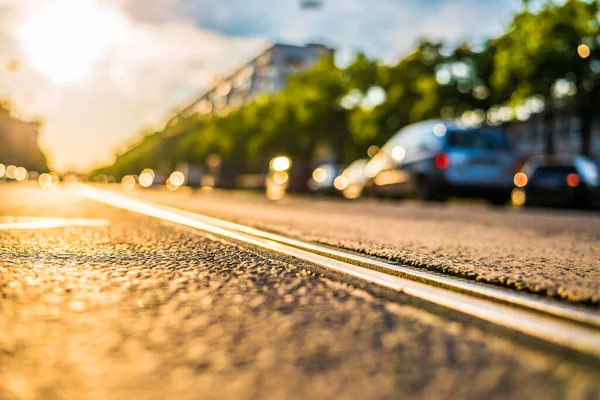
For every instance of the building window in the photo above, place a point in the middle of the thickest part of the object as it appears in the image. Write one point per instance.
(293, 64)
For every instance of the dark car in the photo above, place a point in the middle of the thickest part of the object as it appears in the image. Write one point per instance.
(437, 159)
(557, 181)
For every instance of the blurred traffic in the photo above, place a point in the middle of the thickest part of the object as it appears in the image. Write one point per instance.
(512, 119)
(431, 161)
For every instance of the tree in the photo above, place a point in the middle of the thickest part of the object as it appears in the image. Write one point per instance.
(556, 44)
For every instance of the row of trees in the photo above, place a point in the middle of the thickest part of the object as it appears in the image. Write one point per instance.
(548, 60)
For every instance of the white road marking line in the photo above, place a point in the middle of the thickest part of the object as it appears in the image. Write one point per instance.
(18, 223)
(532, 322)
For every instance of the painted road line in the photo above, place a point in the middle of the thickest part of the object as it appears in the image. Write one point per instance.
(530, 320)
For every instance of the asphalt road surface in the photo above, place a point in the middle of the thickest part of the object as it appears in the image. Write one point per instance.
(121, 306)
(550, 252)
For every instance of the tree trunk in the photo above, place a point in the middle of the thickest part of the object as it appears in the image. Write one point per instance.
(549, 146)
(586, 118)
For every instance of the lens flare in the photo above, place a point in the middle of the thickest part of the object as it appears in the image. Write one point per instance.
(64, 39)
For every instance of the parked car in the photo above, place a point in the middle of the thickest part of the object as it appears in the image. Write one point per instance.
(352, 181)
(558, 181)
(437, 159)
(323, 177)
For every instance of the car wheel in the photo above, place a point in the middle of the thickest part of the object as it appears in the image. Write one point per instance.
(427, 191)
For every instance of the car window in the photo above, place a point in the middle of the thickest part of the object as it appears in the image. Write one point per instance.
(551, 177)
(588, 170)
(479, 139)
(413, 141)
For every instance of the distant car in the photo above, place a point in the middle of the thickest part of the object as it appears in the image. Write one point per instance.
(353, 181)
(285, 176)
(437, 159)
(558, 181)
(323, 177)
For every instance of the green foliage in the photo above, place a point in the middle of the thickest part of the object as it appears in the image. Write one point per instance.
(329, 110)
(540, 48)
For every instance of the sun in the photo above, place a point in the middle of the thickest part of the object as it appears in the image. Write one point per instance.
(64, 39)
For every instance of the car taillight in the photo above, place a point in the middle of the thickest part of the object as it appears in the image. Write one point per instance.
(520, 179)
(442, 161)
(573, 180)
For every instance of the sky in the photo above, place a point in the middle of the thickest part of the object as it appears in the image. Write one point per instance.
(100, 73)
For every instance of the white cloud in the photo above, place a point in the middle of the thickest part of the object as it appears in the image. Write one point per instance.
(378, 27)
(165, 51)
(129, 83)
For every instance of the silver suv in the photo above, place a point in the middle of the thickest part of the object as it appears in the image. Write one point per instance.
(437, 159)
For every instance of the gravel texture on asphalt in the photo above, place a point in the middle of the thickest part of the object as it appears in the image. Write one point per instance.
(550, 252)
(145, 309)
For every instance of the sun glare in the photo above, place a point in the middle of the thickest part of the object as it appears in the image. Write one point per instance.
(63, 39)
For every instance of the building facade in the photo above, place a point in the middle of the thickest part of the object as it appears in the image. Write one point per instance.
(266, 73)
(528, 136)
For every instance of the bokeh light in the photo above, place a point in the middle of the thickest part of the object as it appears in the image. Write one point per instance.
(372, 151)
(340, 183)
(520, 179)
(398, 153)
(2, 170)
(281, 163)
(171, 186)
(275, 192)
(280, 177)
(45, 180)
(146, 179)
(573, 180)
(439, 130)
(70, 178)
(20, 174)
(319, 175)
(352, 192)
(10, 171)
(128, 182)
(583, 50)
(518, 198)
(149, 171)
(177, 178)
(55, 178)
